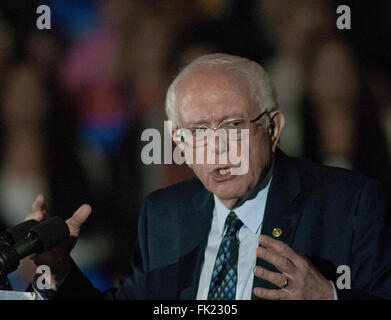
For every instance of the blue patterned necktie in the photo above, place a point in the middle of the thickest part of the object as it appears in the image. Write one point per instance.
(225, 271)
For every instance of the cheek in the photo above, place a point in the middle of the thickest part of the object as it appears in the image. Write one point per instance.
(260, 154)
(200, 171)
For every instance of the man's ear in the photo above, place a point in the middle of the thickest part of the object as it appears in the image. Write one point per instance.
(277, 123)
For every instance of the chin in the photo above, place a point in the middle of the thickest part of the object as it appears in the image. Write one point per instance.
(228, 192)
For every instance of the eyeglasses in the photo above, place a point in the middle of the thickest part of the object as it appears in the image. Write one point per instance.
(233, 129)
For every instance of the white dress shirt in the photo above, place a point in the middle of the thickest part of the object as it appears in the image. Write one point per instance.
(251, 214)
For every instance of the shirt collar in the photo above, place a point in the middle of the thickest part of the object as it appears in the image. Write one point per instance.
(251, 211)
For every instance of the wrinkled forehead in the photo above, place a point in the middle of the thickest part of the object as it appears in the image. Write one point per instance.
(212, 73)
(213, 85)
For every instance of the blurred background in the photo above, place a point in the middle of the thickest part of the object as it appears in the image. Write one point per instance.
(75, 99)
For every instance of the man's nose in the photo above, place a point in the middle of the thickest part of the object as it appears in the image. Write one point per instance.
(218, 141)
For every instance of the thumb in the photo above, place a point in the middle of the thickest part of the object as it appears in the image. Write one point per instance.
(78, 218)
(39, 203)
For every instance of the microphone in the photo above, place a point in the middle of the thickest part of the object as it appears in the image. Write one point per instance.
(18, 232)
(41, 237)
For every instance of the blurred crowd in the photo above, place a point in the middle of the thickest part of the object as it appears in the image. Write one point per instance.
(74, 100)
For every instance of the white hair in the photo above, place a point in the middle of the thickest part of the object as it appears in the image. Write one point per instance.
(260, 85)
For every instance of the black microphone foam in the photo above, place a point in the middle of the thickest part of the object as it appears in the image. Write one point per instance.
(42, 237)
(20, 231)
(50, 232)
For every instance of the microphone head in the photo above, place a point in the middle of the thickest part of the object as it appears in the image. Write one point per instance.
(19, 232)
(51, 232)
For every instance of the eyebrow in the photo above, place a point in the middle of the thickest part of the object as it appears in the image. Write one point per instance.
(197, 123)
(228, 117)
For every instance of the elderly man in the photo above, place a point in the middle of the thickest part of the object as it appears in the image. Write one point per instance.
(279, 231)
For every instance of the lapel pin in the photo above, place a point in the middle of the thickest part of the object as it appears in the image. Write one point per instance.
(277, 232)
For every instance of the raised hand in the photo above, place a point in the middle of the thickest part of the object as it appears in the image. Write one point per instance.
(58, 259)
(298, 280)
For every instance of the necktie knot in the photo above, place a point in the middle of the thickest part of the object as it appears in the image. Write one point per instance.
(233, 224)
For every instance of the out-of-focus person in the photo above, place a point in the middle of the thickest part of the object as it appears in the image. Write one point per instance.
(292, 28)
(342, 119)
(38, 153)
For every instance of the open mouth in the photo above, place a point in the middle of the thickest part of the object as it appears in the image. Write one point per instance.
(224, 171)
(222, 174)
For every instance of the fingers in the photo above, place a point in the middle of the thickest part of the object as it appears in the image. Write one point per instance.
(276, 278)
(79, 217)
(38, 215)
(74, 223)
(39, 209)
(39, 203)
(282, 263)
(277, 246)
(274, 294)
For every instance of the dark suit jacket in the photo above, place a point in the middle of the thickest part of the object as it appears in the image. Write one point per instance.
(331, 215)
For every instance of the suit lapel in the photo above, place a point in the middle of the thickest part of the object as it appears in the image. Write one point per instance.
(280, 213)
(198, 227)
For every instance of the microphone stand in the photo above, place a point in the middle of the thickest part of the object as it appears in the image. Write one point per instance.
(9, 262)
(5, 245)
(22, 241)
(5, 284)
